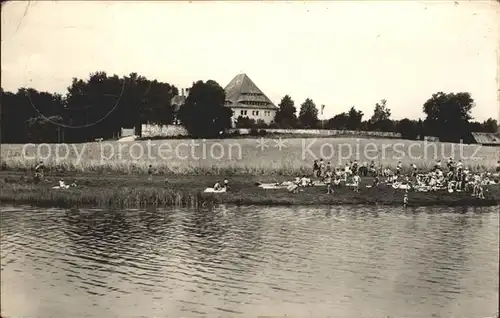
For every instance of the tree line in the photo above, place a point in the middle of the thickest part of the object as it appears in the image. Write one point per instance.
(448, 117)
(98, 107)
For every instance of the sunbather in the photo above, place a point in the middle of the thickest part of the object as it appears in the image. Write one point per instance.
(217, 186)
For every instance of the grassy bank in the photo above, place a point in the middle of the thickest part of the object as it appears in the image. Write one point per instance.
(126, 191)
(241, 156)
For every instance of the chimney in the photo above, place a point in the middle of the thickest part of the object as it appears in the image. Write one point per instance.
(182, 92)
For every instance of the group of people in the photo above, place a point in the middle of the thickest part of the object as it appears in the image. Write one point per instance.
(457, 178)
(453, 176)
(221, 186)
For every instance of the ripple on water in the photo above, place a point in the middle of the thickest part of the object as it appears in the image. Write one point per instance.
(341, 261)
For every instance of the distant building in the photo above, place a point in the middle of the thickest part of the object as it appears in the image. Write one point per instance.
(487, 139)
(247, 100)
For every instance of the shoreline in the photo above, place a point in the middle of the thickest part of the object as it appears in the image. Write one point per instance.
(136, 191)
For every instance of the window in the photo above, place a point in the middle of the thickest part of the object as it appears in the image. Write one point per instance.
(257, 113)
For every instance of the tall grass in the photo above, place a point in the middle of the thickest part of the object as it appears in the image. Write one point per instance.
(240, 156)
(120, 197)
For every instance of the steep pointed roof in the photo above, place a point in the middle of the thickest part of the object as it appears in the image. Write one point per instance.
(242, 92)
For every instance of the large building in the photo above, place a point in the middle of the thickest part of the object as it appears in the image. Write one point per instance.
(247, 100)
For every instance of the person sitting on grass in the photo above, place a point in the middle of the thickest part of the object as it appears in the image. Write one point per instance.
(356, 180)
(217, 186)
(294, 187)
(297, 180)
(304, 181)
(225, 183)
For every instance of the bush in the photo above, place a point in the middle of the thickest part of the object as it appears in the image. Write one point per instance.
(273, 125)
(262, 132)
(253, 131)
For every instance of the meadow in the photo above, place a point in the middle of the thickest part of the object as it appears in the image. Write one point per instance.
(240, 156)
(130, 191)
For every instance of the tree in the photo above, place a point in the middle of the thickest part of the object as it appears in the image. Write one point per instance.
(407, 128)
(380, 120)
(100, 106)
(308, 115)
(490, 126)
(204, 114)
(448, 116)
(244, 122)
(44, 129)
(339, 122)
(286, 115)
(18, 108)
(354, 119)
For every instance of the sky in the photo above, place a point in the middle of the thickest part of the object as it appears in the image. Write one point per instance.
(339, 54)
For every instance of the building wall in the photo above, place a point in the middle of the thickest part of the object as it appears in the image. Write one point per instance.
(265, 114)
(325, 132)
(163, 131)
(127, 132)
(176, 131)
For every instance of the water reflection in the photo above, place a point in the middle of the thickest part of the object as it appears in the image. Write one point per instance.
(250, 261)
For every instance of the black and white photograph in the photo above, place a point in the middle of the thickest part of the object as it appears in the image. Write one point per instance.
(267, 159)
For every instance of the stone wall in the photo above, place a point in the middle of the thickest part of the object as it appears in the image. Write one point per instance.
(326, 132)
(127, 132)
(176, 130)
(163, 131)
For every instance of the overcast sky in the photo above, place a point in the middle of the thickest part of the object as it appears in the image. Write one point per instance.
(337, 53)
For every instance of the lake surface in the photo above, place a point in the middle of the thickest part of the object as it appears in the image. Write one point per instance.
(250, 262)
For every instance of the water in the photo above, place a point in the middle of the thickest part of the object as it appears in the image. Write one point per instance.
(250, 262)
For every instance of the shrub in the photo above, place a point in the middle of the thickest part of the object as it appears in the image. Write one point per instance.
(254, 132)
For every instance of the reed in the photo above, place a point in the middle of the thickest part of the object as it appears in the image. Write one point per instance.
(239, 156)
(119, 197)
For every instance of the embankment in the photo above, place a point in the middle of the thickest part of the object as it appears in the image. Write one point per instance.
(135, 191)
